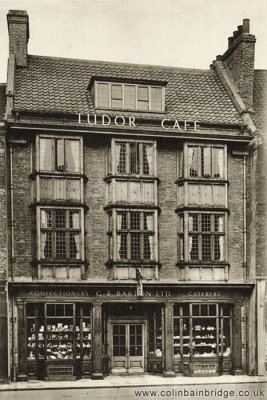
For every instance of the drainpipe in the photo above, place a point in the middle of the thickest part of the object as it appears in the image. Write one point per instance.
(245, 216)
(11, 261)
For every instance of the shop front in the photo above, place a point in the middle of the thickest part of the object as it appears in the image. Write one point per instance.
(91, 331)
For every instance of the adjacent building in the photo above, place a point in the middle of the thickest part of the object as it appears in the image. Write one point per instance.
(132, 215)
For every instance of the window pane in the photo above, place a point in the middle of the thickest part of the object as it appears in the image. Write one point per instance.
(181, 223)
(73, 155)
(122, 220)
(193, 161)
(142, 93)
(206, 162)
(217, 163)
(134, 158)
(129, 97)
(206, 247)
(46, 157)
(181, 248)
(60, 155)
(147, 159)
(218, 223)
(148, 221)
(116, 96)
(193, 222)
(148, 247)
(46, 218)
(206, 222)
(46, 245)
(74, 242)
(142, 98)
(193, 247)
(60, 245)
(156, 99)
(218, 248)
(116, 92)
(74, 219)
(122, 246)
(102, 95)
(135, 246)
(121, 158)
(135, 220)
(60, 219)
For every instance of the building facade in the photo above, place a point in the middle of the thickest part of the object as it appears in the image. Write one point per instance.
(130, 212)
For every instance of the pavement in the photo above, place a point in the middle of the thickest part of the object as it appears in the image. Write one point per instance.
(113, 381)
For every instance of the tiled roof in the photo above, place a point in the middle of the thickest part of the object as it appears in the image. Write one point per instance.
(58, 85)
(260, 99)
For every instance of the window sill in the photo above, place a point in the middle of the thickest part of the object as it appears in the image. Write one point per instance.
(59, 262)
(208, 264)
(131, 177)
(62, 174)
(131, 110)
(131, 206)
(191, 179)
(132, 263)
(202, 208)
(59, 203)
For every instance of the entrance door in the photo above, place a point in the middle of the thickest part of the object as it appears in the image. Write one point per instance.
(128, 347)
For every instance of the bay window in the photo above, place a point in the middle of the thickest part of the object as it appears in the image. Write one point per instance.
(60, 234)
(134, 236)
(201, 237)
(205, 162)
(59, 154)
(134, 158)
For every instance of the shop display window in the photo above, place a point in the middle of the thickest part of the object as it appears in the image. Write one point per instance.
(155, 333)
(202, 330)
(58, 331)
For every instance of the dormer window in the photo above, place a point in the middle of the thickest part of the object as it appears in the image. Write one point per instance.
(128, 96)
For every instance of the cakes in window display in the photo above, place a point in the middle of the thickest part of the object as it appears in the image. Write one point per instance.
(227, 352)
(158, 353)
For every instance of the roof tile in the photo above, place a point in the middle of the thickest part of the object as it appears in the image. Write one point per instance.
(55, 85)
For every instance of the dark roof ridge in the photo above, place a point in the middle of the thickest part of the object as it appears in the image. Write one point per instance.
(135, 65)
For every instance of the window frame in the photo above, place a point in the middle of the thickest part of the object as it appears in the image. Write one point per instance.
(113, 232)
(112, 167)
(201, 175)
(65, 230)
(184, 234)
(184, 324)
(136, 86)
(54, 170)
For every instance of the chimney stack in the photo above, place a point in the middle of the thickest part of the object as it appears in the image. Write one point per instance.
(18, 29)
(239, 59)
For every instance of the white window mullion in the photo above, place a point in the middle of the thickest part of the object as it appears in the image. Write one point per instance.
(149, 98)
(109, 95)
(122, 93)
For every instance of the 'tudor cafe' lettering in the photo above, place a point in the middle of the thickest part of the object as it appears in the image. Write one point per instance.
(120, 121)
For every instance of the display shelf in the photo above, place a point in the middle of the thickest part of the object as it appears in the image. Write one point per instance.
(62, 334)
(202, 336)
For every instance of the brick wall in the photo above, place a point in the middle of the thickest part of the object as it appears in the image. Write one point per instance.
(95, 150)
(18, 35)
(235, 219)
(167, 197)
(95, 158)
(241, 64)
(22, 212)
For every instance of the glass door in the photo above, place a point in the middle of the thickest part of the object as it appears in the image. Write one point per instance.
(127, 347)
